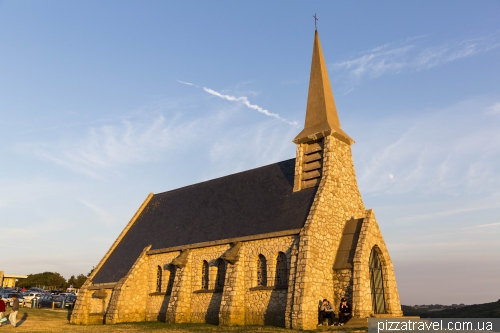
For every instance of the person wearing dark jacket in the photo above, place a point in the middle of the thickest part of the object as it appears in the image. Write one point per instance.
(15, 309)
(2, 309)
(344, 312)
(326, 311)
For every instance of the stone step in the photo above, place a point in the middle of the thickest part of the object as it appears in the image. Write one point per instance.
(353, 322)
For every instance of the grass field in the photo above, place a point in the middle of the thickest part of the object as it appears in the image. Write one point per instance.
(57, 321)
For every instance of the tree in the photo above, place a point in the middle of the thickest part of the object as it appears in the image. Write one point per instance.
(45, 280)
(72, 281)
(78, 281)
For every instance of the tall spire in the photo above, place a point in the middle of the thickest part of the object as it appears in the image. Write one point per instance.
(321, 114)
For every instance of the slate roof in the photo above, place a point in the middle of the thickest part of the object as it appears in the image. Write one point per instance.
(248, 203)
(348, 243)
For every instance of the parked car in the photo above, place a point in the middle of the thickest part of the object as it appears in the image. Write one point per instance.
(7, 290)
(45, 301)
(70, 301)
(7, 298)
(29, 296)
(55, 292)
(37, 290)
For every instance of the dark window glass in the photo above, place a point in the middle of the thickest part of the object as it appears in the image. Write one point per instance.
(377, 283)
(221, 274)
(204, 275)
(261, 271)
(281, 270)
(158, 279)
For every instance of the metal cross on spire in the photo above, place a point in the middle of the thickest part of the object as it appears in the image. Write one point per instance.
(315, 20)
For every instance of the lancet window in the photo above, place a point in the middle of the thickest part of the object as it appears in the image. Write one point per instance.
(261, 271)
(221, 274)
(158, 278)
(377, 283)
(281, 270)
(204, 275)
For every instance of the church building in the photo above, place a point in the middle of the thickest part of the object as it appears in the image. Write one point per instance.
(262, 246)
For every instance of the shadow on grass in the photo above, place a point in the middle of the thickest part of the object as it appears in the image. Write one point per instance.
(70, 311)
(23, 319)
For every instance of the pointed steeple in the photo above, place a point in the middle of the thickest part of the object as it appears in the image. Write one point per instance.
(321, 114)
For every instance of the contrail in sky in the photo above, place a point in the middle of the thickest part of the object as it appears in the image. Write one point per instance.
(243, 100)
(187, 83)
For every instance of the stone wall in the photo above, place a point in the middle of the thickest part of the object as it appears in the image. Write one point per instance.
(342, 285)
(157, 302)
(337, 200)
(266, 305)
(92, 303)
(205, 304)
(240, 302)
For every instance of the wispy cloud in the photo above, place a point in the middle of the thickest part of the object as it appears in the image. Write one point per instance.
(410, 55)
(490, 202)
(109, 151)
(494, 109)
(102, 215)
(482, 226)
(106, 147)
(246, 102)
(447, 151)
(243, 100)
(256, 146)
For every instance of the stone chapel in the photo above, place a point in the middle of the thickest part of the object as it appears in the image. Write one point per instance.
(262, 246)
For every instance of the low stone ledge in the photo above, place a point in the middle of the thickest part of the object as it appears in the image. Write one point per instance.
(98, 286)
(207, 291)
(269, 288)
(156, 293)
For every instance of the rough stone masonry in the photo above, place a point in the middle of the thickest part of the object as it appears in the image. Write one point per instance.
(263, 246)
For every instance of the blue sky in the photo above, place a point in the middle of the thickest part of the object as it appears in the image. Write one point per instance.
(102, 103)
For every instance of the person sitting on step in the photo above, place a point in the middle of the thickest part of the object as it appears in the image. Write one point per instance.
(344, 312)
(326, 311)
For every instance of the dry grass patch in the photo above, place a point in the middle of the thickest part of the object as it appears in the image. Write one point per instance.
(57, 321)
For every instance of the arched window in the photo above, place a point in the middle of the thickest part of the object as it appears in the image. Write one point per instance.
(171, 278)
(221, 274)
(158, 279)
(204, 275)
(281, 270)
(377, 283)
(261, 271)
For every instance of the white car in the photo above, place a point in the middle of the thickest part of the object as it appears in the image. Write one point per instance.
(7, 298)
(28, 297)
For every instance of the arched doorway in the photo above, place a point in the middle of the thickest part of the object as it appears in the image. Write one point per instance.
(377, 283)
